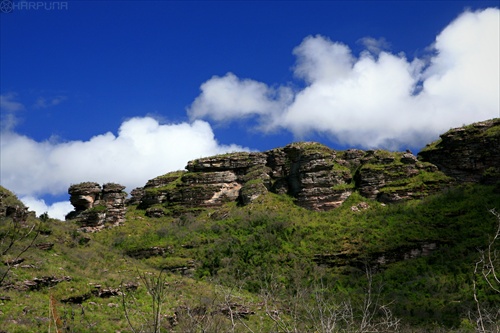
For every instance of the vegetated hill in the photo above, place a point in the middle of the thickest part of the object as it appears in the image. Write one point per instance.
(301, 238)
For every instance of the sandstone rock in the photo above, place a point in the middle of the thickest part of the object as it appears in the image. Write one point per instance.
(320, 178)
(45, 246)
(156, 212)
(84, 195)
(359, 207)
(42, 282)
(135, 196)
(96, 207)
(317, 176)
(251, 191)
(113, 198)
(149, 252)
(392, 177)
(408, 158)
(376, 261)
(232, 161)
(468, 154)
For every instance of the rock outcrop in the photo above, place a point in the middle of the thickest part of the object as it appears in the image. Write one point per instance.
(318, 177)
(96, 207)
(12, 208)
(468, 154)
(391, 177)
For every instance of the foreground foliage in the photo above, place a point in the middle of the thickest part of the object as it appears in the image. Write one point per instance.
(270, 266)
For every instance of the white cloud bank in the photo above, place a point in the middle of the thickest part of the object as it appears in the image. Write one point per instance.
(378, 99)
(143, 149)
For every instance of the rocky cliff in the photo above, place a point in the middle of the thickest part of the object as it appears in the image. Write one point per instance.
(468, 154)
(317, 177)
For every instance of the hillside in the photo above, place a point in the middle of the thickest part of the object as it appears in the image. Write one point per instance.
(296, 239)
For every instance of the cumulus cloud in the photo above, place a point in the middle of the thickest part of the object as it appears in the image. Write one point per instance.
(143, 149)
(229, 97)
(376, 99)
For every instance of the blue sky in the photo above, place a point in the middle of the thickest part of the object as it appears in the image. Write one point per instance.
(123, 91)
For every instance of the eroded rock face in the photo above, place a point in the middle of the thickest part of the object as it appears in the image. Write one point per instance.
(313, 174)
(390, 177)
(84, 195)
(318, 177)
(468, 154)
(96, 207)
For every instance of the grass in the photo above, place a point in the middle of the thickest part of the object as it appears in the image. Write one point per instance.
(235, 252)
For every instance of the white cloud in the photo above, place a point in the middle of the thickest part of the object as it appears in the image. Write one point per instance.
(319, 59)
(378, 99)
(228, 97)
(143, 149)
(462, 83)
(56, 210)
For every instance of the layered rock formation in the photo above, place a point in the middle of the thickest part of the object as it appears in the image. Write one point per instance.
(96, 207)
(318, 177)
(468, 154)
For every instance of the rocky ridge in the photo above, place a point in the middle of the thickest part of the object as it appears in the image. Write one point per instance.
(317, 177)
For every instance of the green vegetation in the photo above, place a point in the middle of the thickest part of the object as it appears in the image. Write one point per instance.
(7, 198)
(268, 266)
(313, 147)
(170, 181)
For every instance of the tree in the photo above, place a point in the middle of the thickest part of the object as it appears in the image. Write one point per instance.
(17, 235)
(318, 308)
(486, 271)
(156, 286)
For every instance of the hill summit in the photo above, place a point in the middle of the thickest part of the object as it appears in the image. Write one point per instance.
(315, 176)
